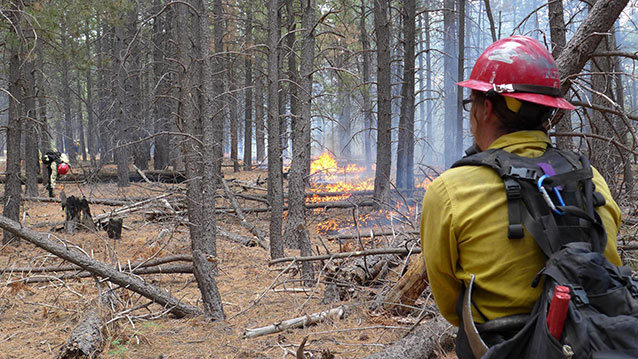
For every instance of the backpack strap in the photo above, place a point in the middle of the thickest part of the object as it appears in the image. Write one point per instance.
(550, 223)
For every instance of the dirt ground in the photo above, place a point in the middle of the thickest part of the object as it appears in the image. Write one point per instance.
(36, 319)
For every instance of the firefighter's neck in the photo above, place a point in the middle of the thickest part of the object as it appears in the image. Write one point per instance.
(487, 126)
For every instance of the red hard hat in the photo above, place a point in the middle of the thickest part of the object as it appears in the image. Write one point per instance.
(518, 67)
(63, 168)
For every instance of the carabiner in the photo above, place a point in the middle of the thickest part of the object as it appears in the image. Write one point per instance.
(546, 197)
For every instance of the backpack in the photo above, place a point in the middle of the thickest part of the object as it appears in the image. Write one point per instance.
(553, 198)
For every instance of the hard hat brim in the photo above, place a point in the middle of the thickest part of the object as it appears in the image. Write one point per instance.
(550, 101)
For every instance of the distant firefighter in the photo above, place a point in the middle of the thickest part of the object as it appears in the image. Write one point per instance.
(56, 163)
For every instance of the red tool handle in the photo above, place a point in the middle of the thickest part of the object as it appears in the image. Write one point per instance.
(558, 311)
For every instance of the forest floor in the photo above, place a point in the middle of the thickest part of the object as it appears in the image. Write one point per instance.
(36, 319)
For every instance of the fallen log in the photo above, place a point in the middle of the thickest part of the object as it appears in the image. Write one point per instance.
(408, 289)
(296, 322)
(138, 264)
(432, 339)
(69, 253)
(368, 252)
(103, 201)
(86, 340)
(261, 237)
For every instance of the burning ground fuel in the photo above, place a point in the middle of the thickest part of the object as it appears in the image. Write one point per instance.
(330, 181)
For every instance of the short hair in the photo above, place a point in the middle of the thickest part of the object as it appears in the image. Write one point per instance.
(530, 116)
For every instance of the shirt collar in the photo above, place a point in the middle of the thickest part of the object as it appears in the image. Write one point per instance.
(522, 140)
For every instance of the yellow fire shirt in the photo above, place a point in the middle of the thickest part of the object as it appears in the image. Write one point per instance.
(464, 231)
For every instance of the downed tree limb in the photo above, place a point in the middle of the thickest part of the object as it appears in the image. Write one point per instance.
(368, 252)
(261, 237)
(69, 253)
(368, 202)
(234, 237)
(86, 340)
(161, 269)
(369, 234)
(103, 201)
(141, 174)
(127, 209)
(138, 264)
(409, 287)
(296, 322)
(429, 340)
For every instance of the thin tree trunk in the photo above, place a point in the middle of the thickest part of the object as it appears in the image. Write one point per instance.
(557, 33)
(384, 103)
(204, 247)
(365, 89)
(161, 83)
(296, 227)
(275, 180)
(259, 117)
(121, 113)
(460, 75)
(31, 158)
(490, 17)
(405, 146)
(248, 94)
(450, 71)
(12, 190)
(218, 84)
(67, 146)
(91, 133)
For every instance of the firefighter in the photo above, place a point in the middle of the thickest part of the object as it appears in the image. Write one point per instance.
(56, 163)
(515, 88)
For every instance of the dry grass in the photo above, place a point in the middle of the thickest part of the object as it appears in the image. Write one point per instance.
(36, 319)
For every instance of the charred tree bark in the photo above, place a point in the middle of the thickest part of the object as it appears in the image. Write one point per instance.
(405, 145)
(296, 234)
(122, 152)
(275, 177)
(204, 245)
(86, 340)
(384, 103)
(31, 158)
(409, 287)
(91, 136)
(12, 190)
(432, 339)
(161, 84)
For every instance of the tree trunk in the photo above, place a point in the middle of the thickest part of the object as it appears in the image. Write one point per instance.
(122, 151)
(586, 39)
(490, 17)
(450, 89)
(460, 75)
(87, 338)
(365, 89)
(296, 226)
(432, 339)
(231, 99)
(68, 144)
(428, 88)
(161, 83)
(259, 117)
(248, 94)
(557, 32)
(204, 246)
(218, 85)
(91, 133)
(31, 158)
(405, 146)
(384, 103)
(275, 180)
(80, 122)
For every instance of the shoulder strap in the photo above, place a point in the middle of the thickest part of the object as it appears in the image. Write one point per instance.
(529, 201)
